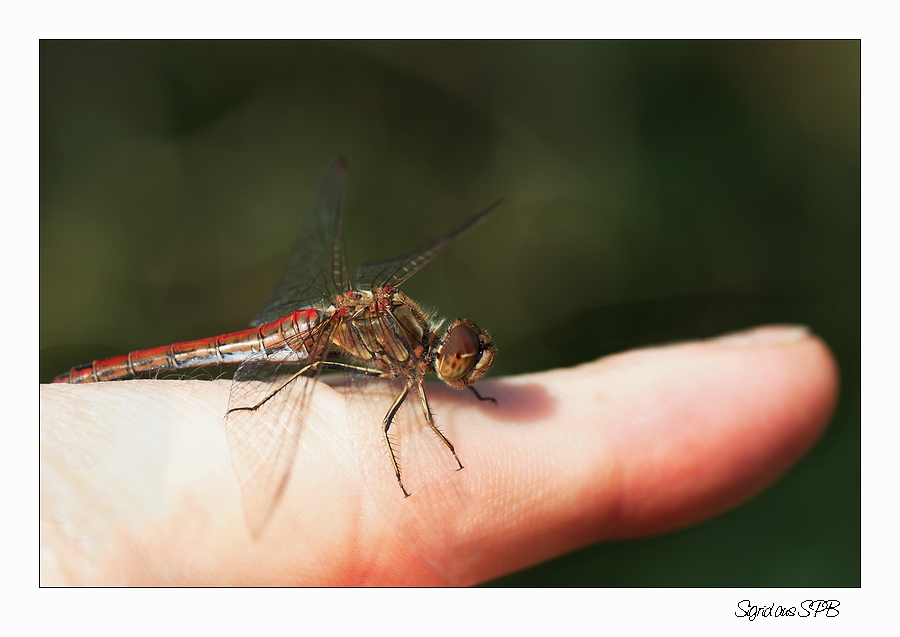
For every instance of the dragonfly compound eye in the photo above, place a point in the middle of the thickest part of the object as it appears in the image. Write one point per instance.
(465, 354)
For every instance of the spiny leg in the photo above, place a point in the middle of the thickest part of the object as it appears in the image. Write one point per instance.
(429, 418)
(480, 397)
(318, 365)
(385, 425)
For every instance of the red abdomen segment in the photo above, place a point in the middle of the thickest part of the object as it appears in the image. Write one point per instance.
(290, 331)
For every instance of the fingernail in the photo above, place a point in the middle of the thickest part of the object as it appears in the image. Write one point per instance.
(766, 336)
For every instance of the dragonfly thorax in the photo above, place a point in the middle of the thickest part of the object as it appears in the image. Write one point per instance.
(383, 330)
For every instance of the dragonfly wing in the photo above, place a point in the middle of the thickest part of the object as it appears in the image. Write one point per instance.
(396, 271)
(263, 441)
(317, 267)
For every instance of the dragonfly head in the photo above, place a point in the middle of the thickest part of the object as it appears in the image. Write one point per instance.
(464, 354)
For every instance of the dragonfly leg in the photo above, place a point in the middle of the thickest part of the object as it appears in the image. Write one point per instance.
(385, 425)
(480, 397)
(429, 418)
(317, 366)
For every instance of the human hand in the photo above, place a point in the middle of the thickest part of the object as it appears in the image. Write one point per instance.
(137, 486)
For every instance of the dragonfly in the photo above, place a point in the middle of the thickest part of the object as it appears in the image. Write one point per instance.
(316, 321)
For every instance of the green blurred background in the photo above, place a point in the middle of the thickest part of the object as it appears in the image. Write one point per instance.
(657, 192)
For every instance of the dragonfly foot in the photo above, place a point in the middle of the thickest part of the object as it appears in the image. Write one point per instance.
(483, 398)
(233, 409)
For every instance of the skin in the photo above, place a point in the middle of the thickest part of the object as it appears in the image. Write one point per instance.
(137, 486)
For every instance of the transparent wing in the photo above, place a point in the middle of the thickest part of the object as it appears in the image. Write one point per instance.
(317, 267)
(262, 442)
(395, 271)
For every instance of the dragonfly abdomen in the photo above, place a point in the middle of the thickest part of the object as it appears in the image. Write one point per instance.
(288, 331)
